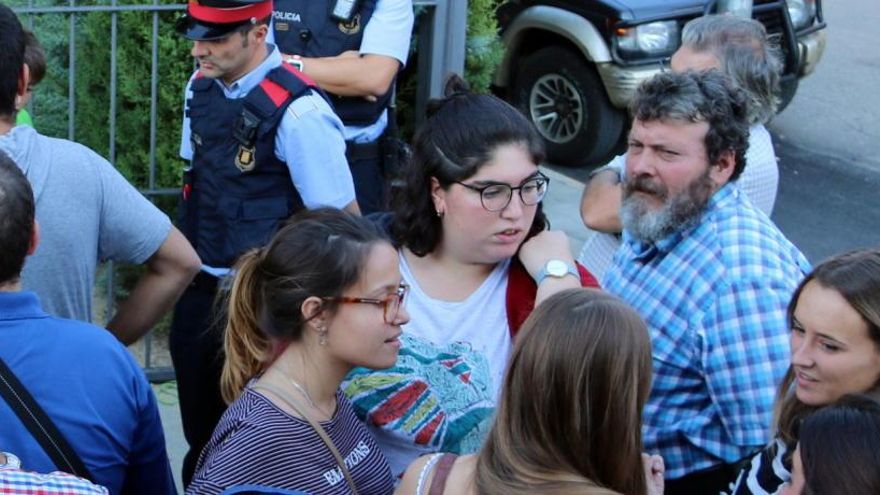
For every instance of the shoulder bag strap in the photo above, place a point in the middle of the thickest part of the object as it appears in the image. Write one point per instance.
(40, 425)
(295, 405)
(441, 474)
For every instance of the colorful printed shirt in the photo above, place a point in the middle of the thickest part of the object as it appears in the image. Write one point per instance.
(437, 398)
(714, 297)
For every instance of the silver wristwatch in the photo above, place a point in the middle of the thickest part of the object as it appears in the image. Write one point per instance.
(556, 269)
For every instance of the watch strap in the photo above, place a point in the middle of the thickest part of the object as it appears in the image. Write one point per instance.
(571, 270)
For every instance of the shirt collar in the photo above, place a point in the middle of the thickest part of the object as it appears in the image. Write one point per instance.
(645, 251)
(249, 81)
(20, 305)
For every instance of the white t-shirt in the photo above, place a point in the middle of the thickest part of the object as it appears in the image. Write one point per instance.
(480, 320)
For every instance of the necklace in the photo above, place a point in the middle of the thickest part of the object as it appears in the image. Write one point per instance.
(302, 390)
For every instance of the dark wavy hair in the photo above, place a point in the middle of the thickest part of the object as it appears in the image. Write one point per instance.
(707, 96)
(461, 133)
(838, 446)
(12, 43)
(16, 219)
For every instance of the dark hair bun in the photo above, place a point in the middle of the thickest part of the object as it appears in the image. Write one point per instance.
(454, 87)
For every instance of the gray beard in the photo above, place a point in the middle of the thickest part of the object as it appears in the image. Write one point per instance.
(678, 213)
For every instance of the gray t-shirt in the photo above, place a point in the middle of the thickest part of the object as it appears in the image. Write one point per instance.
(87, 213)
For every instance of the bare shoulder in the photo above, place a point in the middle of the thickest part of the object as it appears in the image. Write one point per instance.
(460, 480)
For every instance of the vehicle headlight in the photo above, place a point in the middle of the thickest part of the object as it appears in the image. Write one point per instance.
(801, 12)
(652, 39)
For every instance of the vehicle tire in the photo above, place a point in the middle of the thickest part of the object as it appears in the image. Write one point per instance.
(565, 99)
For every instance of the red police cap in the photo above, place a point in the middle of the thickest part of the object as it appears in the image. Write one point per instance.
(215, 19)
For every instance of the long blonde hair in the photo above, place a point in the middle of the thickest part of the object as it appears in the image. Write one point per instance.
(319, 253)
(856, 276)
(569, 420)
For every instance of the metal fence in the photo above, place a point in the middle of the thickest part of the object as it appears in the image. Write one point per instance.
(440, 34)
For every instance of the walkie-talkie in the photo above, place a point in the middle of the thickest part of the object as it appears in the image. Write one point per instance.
(344, 10)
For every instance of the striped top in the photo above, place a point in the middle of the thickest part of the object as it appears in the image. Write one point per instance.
(258, 443)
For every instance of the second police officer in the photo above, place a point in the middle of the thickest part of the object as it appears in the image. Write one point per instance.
(353, 49)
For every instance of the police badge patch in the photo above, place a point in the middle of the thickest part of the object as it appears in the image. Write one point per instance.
(351, 27)
(244, 159)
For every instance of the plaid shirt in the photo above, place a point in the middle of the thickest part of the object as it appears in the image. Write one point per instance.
(18, 482)
(714, 297)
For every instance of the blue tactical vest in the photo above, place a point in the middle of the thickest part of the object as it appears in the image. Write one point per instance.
(305, 27)
(237, 192)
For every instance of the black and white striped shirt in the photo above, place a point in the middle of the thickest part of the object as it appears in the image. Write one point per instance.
(258, 443)
(766, 472)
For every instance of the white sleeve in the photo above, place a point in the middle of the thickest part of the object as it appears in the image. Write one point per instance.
(186, 151)
(309, 140)
(389, 30)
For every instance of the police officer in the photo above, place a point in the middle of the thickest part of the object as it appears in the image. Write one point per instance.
(353, 49)
(262, 143)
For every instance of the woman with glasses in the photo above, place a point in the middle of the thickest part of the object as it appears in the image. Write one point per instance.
(325, 295)
(476, 254)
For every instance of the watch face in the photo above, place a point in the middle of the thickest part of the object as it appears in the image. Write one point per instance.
(556, 268)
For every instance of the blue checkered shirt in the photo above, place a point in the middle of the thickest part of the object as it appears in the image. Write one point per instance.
(714, 297)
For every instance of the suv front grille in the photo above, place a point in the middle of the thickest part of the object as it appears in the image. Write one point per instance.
(771, 13)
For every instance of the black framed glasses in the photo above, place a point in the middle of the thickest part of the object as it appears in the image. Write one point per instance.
(496, 197)
(391, 303)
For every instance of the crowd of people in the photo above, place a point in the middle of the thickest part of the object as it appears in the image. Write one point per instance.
(449, 342)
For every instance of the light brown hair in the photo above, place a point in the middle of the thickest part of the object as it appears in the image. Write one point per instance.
(569, 420)
(856, 276)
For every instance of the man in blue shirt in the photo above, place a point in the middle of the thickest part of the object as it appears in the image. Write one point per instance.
(261, 143)
(81, 376)
(711, 275)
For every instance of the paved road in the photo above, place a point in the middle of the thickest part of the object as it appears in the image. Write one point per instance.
(828, 141)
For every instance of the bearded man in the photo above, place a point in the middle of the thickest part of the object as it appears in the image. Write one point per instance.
(711, 275)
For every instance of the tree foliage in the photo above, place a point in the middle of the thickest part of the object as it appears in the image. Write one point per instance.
(484, 48)
(92, 88)
(94, 85)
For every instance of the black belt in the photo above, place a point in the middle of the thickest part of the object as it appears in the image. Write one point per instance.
(205, 282)
(362, 151)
